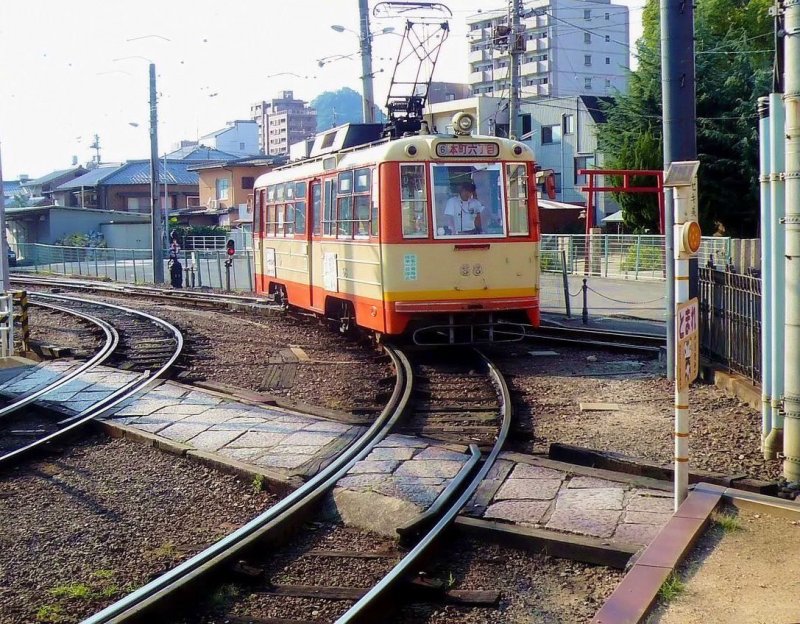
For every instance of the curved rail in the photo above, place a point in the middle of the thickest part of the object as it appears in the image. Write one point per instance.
(364, 609)
(112, 341)
(150, 291)
(610, 339)
(149, 599)
(143, 382)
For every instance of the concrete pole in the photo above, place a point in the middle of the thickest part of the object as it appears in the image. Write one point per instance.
(155, 200)
(5, 283)
(766, 272)
(678, 89)
(791, 443)
(368, 102)
(669, 251)
(514, 11)
(682, 195)
(774, 442)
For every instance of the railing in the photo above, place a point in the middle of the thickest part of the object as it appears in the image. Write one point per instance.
(204, 242)
(730, 320)
(204, 268)
(625, 256)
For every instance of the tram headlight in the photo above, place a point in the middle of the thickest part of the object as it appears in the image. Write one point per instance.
(463, 123)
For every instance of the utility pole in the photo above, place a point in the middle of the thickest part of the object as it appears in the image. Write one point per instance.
(368, 102)
(96, 147)
(680, 139)
(791, 98)
(155, 209)
(516, 46)
(680, 146)
(4, 280)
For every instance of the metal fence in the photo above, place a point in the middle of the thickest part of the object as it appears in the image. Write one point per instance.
(730, 320)
(135, 266)
(625, 256)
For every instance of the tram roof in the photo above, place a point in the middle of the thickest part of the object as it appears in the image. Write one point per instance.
(394, 151)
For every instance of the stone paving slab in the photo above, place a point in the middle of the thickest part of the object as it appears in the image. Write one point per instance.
(290, 443)
(532, 492)
(402, 473)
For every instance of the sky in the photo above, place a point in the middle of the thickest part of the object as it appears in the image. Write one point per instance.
(71, 70)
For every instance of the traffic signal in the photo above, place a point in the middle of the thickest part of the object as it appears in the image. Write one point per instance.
(230, 247)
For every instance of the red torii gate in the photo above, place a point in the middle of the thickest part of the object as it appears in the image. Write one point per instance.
(626, 187)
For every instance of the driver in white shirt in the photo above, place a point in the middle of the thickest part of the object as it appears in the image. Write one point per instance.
(463, 212)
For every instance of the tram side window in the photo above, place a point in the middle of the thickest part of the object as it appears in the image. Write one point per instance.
(258, 204)
(329, 214)
(517, 194)
(316, 205)
(361, 202)
(300, 208)
(414, 201)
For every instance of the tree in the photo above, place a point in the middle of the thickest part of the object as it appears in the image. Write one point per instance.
(733, 67)
(335, 108)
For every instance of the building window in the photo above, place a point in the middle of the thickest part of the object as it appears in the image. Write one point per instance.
(608, 83)
(608, 60)
(248, 182)
(222, 188)
(587, 60)
(241, 146)
(608, 38)
(587, 37)
(587, 14)
(587, 82)
(551, 134)
(608, 16)
(569, 124)
(582, 162)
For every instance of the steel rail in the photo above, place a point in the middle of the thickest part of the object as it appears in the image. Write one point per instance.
(132, 289)
(142, 604)
(103, 406)
(364, 609)
(564, 333)
(111, 343)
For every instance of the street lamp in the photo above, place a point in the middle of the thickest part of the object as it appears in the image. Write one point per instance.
(365, 45)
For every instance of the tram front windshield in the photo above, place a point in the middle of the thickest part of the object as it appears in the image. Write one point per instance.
(468, 200)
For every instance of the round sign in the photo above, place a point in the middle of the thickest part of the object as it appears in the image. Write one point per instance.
(692, 236)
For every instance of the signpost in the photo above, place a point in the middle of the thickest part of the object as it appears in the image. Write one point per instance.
(682, 178)
(688, 351)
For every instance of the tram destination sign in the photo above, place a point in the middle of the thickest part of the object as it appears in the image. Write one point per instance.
(687, 354)
(467, 150)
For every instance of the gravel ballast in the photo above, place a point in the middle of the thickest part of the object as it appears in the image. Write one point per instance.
(83, 528)
(725, 434)
(236, 349)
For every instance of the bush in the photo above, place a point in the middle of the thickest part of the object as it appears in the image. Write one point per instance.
(650, 258)
(184, 231)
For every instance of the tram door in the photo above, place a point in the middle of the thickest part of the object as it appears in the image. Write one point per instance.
(314, 239)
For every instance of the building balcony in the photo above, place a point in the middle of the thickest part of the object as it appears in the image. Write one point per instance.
(535, 67)
(478, 56)
(479, 76)
(500, 73)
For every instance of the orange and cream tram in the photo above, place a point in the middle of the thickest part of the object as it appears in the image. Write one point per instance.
(434, 236)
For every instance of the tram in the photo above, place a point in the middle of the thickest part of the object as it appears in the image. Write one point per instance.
(433, 236)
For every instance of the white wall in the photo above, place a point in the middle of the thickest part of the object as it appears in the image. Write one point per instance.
(127, 235)
(240, 139)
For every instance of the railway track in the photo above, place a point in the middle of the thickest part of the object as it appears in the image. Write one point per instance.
(306, 599)
(197, 298)
(599, 339)
(134, 341)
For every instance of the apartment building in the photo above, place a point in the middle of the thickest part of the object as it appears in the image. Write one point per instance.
(283, 121)
(572, 47)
